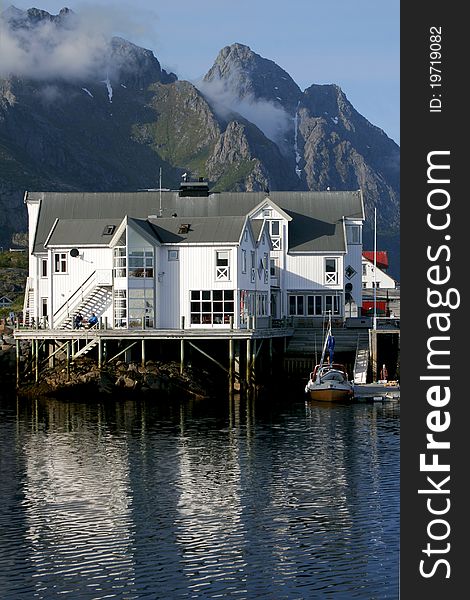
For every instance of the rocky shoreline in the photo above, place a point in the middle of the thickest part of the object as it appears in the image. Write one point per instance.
(161, 379)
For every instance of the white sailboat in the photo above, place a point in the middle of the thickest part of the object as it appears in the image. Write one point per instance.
(329, 382)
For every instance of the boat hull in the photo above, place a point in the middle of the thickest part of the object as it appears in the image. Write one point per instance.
(330, 395)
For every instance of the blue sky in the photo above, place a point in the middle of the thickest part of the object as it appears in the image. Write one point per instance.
(353, 43)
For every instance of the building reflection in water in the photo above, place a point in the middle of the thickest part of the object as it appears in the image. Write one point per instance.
(78, 504)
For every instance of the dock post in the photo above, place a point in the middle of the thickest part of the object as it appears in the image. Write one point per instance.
(182, 348)
(68, 359)
(181, 356)
(143, 352)
(230, 364)
(253, 361)
(248, 363)
(17, 363)
(36, 365)
(100, 354)
(236, 366)
(270, 356)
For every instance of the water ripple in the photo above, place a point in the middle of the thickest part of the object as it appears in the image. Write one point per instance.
(200, 500)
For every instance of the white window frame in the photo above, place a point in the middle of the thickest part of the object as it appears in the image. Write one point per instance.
(222, 271)
(353, 234)
(60, 262)
(44, 267)
(331, 277)
(296, 312)
(243, 261)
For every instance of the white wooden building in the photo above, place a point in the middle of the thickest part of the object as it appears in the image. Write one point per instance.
(209, 260)
(375, 277)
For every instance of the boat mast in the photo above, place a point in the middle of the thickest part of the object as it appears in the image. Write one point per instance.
(328, 333)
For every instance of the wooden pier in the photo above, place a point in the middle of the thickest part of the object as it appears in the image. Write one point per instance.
(245, 349)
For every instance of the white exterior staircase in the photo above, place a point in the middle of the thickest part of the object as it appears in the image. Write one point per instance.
(89, 346)
(94, 295)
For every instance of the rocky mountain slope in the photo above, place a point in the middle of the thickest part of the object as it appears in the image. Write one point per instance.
(112, 119)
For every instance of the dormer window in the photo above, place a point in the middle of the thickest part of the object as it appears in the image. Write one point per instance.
(109, 229)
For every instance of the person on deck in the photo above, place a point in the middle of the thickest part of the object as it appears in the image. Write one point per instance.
(93, 320)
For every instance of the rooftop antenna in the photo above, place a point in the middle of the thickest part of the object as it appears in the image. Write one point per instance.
(160, 186)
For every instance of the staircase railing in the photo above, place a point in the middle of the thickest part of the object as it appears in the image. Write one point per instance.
(100, 277)
(26, 307)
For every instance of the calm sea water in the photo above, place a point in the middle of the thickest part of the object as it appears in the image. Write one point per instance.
(237, 498)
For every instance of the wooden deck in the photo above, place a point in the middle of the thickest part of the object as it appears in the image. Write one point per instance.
(152, 334)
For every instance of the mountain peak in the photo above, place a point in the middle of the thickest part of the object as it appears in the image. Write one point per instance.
(247, 74)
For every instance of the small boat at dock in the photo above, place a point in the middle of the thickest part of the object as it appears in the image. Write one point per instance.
(329, 381)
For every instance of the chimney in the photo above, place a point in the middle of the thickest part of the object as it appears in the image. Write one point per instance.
(194, 188)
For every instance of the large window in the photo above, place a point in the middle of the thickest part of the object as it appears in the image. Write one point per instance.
(211, 307)
(120, 308)
(314, 305)
(332, 305)
(262, 304)
(120, 261)
(140, 308)
(141, 263)
(60, 262)
(296, 305)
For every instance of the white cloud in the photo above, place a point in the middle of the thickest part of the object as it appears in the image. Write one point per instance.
(78, 49)
(223, 95)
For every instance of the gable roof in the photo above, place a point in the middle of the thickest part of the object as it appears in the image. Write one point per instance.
(81, 232)
(202, 230)
(382, 257)
(317, 223)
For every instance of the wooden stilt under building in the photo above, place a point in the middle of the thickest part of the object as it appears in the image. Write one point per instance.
(72, 344)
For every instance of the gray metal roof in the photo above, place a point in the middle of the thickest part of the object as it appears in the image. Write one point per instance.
(201, 229)
(257, 226)
(83, 232)
(316, 226)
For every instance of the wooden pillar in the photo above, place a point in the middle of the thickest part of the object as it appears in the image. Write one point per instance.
(68, 359)
(230, 364)
(100, 354)
(236, 366)
(143, 352)
(181, 356)
(253, 361)
(36, 364)
(270, 356)
(248, 363)
(17, 363)
(50, 350)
